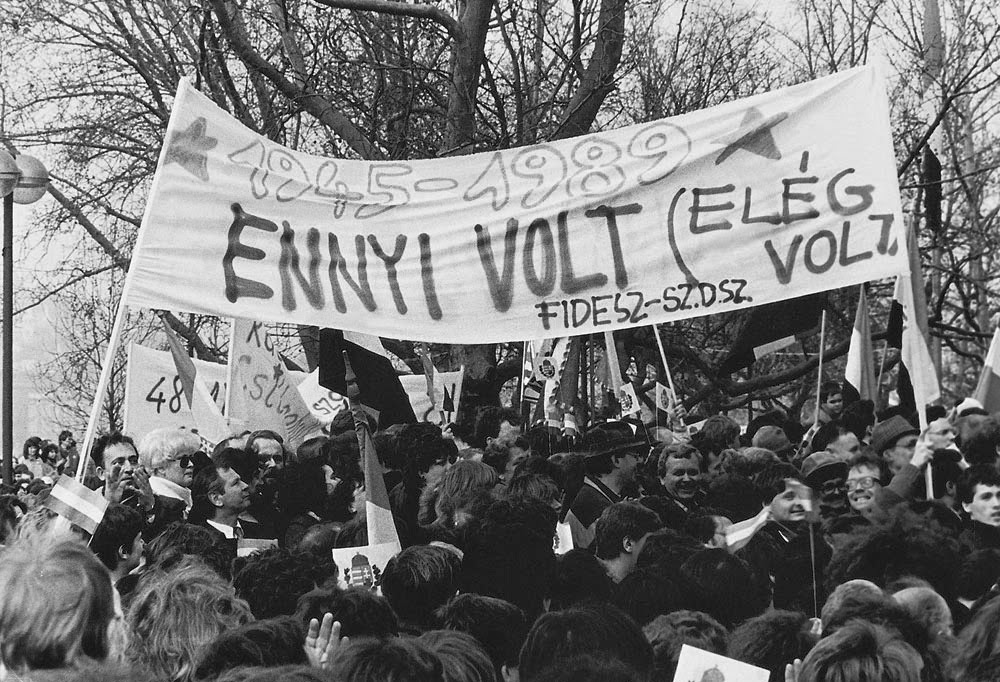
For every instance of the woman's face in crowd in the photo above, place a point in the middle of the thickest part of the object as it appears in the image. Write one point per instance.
(788, 506)
(862, 485)
(985, 505)
(32, 451)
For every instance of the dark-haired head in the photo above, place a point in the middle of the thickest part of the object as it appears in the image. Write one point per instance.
(360, 612)
(499, 626)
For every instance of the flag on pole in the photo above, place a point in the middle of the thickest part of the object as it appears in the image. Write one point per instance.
(77, 503)
(859, 374)
(208, 419)
(664, 401)
(988, 388)
(378, 383)
(908, 328)
(739, 534)
(624, 390)
(774, 326)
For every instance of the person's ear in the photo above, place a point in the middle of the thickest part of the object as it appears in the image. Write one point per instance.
(967, 506)
(101, 473)
(509, 674)
(627, 545)
(215, 499)
(123, 552)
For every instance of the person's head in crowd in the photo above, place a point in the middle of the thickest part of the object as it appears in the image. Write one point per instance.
(967, 423)
(836, 439)
(50, 453)
(736, 495)
(425, 453)
(612, 457)
(750, 461)
(859, 419)
(573, 470)
(826, 474)
(168, 454)
(218, 494)
(831, 399)
(866, 475)
(679, 471)
(269, 449)
(941, 434)
(22, 477)
(174, 613)
(360, 612)
(301, 489)
(669, 632)
(648, 592)
(495, 423)
(499, 626)
(928, 608)
(772, 437)
(56, 606)
(708, 526)
(903, 543)
(584, 668)
(243, 463)
(976, 655)
(463, 659)
(849, 590)
(273, 580)
(620, 534)
(979, 574)
(778, 488)
(505, 455)
(341, 458)
(462, 430)
(981, 446)
(530, 485)
(979, 493)
(181, 539)
(861, 651)
(268, 643)
(461, 486)
(509, 555)
(117, 542)
(312, 450)
(546, 441)
(281, 673)
(31, 448)
(578, 577)
(598, 630)
(894, 441)
(772, 640)
(722, 586)
(397, 659)
(718, 433)
(419, 580)
(319, 539)
(668, 549)
(116, 457)
(12, 510)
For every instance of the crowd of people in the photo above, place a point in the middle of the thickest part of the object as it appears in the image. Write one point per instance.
(845, 566)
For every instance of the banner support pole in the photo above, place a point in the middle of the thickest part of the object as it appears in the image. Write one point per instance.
(819, 371)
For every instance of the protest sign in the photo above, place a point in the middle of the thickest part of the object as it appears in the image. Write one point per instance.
(154, 394)
(698, 665)
(753, 201)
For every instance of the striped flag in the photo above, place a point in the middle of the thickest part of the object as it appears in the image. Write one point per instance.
(208, 419)
(739, 534)
(859, 375)
(988, 388)
(628, 401)
(77, 503)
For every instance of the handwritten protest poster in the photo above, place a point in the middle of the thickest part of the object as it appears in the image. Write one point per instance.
(766, 198)
(698, 665)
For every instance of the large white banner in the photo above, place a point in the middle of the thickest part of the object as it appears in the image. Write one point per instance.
(774, 196)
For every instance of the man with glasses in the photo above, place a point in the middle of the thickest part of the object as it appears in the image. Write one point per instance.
(168, 455)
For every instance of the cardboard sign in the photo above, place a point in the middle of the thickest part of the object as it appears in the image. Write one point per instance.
(697, 665)
(762, 199)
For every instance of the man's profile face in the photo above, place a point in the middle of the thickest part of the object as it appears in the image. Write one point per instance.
(682, 477)
(985, 505)
(834, 404)
(941, 434)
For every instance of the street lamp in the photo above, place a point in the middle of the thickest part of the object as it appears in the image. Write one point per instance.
(23, 180)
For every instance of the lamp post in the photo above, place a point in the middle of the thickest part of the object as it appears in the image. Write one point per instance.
(23, 180)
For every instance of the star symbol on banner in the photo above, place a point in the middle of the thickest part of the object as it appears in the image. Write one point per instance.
(277, 372)
(753, 135)
(189, 148)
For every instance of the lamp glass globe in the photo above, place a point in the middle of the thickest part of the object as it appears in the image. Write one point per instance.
(33, 182)
(9, 173)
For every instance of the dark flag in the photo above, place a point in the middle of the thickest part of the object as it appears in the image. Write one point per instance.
(774, 326)
(378, 383)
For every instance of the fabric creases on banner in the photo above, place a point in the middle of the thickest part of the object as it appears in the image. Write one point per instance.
(758, 200)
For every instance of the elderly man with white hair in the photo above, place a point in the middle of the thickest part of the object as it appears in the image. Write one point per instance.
(168, 456)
